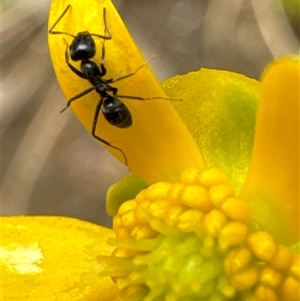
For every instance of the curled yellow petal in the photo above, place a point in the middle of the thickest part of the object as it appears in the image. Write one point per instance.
(219, 109)
(273, 180)
(53, 258)
(157, 137)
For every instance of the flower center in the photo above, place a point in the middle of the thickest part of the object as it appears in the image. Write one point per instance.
(193, 240)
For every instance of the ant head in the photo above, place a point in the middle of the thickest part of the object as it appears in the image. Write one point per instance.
(83, 47)
(116, 113)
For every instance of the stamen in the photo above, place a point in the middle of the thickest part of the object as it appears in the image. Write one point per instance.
(192, 241)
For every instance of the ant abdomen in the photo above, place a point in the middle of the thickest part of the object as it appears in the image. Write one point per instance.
(116, 113)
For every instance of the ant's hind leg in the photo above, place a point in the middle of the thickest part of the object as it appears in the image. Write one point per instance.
(76, 97)
(95, 122)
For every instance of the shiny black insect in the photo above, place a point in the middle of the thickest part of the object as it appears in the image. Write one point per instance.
(113, 109)
(83, 45)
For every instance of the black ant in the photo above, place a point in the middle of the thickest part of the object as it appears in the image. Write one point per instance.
(83, 45)
(113, 109)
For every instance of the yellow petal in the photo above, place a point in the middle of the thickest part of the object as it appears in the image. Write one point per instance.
(219, 109)
(158, 138)
(273, 181)
(53, 258)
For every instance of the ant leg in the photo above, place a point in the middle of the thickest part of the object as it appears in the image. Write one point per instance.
(146, 98)
(114, 91)
(77, 96)
(76, 71)
(57, 21)
(132, 73)
(95, 122)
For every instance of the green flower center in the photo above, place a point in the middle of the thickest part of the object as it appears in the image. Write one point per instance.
(191, 241)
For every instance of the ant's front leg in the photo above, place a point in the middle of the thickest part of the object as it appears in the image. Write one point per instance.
(76, 71)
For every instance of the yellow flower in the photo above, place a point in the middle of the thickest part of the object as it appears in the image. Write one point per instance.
(196, 233)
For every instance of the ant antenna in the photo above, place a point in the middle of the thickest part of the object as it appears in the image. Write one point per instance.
(51, 31)
(106, 30)
(57, 21)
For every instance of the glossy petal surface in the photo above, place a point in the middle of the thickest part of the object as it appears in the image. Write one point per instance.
(53, 258)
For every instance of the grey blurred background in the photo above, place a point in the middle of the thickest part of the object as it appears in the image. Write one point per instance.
(50, 164)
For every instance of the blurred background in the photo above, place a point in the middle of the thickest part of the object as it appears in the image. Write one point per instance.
(50, 164)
